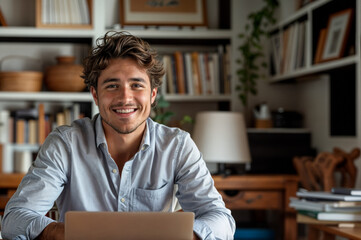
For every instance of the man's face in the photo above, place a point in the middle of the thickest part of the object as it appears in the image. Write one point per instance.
(124, 96)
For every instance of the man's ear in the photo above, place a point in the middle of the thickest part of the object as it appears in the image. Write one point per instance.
(154, 95)
(94, 94)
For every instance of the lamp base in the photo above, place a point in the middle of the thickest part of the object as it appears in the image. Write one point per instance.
(225, 170)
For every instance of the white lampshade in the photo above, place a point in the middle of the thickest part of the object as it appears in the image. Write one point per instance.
(222, 137)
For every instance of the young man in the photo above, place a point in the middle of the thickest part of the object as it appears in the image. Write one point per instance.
(120, 160)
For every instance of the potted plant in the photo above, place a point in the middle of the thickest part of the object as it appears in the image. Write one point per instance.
(252, 51)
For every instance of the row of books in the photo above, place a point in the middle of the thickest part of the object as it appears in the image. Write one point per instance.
(65, 12)
(288, 49)
(339, 205)
(32, 125)
(197, 73)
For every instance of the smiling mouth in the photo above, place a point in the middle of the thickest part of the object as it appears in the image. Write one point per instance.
(128, 110)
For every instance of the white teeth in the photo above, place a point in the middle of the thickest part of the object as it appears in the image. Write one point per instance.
(125, 110)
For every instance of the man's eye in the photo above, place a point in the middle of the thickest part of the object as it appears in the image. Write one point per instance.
(136, 85)
(111, 86)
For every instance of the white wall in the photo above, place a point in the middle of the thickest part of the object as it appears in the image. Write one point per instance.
(276, 95)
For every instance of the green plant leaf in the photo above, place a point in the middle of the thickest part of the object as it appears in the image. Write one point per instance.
(251, 49)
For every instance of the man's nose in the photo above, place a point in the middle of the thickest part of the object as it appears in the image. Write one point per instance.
(125, 93)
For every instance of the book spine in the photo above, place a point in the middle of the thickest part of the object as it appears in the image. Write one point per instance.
(308, 213)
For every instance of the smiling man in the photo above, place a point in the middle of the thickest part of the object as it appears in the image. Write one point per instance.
(120, 160)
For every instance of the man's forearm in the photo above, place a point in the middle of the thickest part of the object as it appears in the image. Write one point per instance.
(54, 231)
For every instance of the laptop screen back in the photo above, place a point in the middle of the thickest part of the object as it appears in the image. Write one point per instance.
(129, 225)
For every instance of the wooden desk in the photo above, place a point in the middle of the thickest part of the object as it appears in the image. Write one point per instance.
(267, 192)
(330, 232)
(327, 230)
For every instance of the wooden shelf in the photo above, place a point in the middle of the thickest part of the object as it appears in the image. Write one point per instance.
(316, 69)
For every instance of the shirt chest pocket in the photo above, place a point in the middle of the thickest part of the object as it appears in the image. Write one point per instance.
(152, 200)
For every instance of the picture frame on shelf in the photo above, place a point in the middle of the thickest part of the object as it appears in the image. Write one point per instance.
(163, 13)
(320, 45)
(338, 29)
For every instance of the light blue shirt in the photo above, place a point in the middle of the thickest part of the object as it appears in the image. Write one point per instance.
(75, 169)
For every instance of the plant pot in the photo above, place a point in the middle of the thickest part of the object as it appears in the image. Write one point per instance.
(65, 76)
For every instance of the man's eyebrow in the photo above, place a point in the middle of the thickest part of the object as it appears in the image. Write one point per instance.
(110, 80)
(142, 80)
(134, 79)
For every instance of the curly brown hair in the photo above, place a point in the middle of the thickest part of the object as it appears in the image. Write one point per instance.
(121, 45)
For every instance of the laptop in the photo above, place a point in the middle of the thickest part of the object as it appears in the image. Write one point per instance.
(129, 225)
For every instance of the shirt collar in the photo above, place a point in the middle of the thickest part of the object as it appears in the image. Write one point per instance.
(99, 131)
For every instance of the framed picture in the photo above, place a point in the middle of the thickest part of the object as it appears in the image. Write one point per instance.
(338, 29)
(163, 12)
(320, 45)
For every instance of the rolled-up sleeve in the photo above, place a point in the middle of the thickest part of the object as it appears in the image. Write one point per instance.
(196, 193)
(24, 216)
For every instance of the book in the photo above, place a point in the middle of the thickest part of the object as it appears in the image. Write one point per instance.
(325, 206)
(20, 131)
(332, 216)
(349, 225)
(346, 191)
(189, 73)
(180, 79)
(4, 126)
(196, 73)
(301, 46)
(7, 159)
(276, 51)
(41, 123)
(327, 196)
(32, 131)
(202, 73)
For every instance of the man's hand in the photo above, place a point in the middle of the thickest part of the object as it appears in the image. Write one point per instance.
(195, 237)
(53, 231)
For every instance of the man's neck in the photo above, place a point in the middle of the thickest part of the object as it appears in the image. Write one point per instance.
(122, 147)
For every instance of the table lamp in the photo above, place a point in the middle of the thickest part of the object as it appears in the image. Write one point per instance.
(222, 138)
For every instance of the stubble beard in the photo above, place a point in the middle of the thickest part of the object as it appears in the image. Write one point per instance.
(119, 130)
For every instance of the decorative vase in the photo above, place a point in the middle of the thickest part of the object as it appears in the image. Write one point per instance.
(64, 76)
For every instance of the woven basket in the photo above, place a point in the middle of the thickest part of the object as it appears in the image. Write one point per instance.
(64, 76)
(21, 81)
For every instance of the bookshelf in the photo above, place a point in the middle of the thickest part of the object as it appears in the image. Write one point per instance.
(64, 14)
(316, 16)
(342, 72)
(27, 34)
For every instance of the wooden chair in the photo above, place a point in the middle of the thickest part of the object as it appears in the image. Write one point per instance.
(318, 174)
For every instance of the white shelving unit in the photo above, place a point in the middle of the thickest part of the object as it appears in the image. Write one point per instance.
(47, 43)
(318, 83)
(310, 68)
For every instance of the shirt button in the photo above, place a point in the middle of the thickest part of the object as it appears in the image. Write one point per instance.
(123, 200)
(143, 148)
(114, 170)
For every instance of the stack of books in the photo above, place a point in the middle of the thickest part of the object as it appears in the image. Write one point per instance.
(339, 205)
